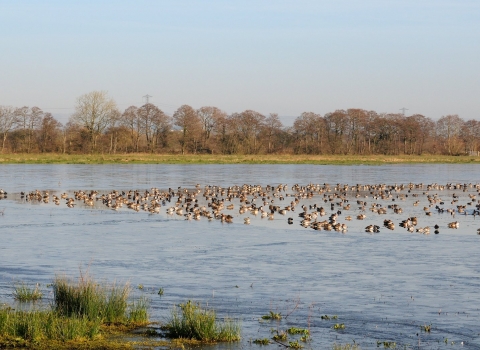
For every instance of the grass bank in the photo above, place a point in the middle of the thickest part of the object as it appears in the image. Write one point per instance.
(146, 158)
(83, 311)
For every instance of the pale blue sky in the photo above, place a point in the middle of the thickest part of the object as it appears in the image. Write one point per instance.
(277, 56)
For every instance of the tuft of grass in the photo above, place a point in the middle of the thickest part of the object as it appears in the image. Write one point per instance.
(294, 330)
(264, 341)
(295, 345)
(426, 328)
(346, 346)
(272, 316)
(87, 298)
(24, 293)
(45, 325)
(190, 321)
(280, 336)
(386, 344)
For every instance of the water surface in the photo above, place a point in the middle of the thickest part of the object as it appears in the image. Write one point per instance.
(382, 286)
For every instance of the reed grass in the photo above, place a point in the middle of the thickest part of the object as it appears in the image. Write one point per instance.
(87, 298)
(24, 293)
(345, 346)
(37, 325)
(80, 311)
(190, 321)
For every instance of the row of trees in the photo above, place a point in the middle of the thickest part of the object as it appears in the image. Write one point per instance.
(99, 126)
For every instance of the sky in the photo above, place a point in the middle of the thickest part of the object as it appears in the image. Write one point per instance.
(275, 56)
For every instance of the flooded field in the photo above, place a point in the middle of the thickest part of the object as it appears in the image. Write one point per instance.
(385, 287)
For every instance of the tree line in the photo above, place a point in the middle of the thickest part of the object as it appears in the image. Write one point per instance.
(98, 126)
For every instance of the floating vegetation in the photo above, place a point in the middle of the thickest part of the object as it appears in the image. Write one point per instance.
(294, 330)
(347, 346)
(280, 336)
(327, 318)
(264, 341)
(160, 291)
(426, 328)
(386, 344)
(24, 293)
(190, 321)
(305, 338)
(272, 316)
(295, 345)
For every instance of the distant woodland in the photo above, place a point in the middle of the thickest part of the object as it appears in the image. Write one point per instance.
(98, 126)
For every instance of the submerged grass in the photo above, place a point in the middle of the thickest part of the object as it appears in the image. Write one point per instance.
(190, 321)
(148, 158)
(24, 293)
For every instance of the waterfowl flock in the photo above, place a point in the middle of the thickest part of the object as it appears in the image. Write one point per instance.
(315, 206)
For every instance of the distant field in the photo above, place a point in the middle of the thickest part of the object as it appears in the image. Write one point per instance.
(142, 158)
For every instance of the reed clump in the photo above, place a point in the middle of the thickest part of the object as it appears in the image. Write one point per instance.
(79, 313)
(347, 346)
(87, 298)
(24, 293)
(191, 321)
(38, 325)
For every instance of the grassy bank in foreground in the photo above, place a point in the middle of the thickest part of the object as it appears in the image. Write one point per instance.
(144, 158)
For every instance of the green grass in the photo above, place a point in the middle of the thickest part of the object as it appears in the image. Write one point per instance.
(345, 347)
(37, 325)
(109, 303)
(272, 316)
(190, 321)
(148, 158)
(81, 311)
(24, 293)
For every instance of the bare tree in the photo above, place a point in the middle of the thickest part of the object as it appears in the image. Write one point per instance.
(131, 120)
(94, 111)
(448, 130)
(49, 133)
(187, 119)
(151, 117)
(209, 117)
(273, 126)
(7, 122)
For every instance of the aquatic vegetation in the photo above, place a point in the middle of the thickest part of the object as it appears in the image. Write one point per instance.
(305, 338)
(24, 293)
(327, 318)
(295, 345)
(37, 325)
(280, 336)
(294, 330)
(347, 346)
(264, 341)
(160, 291)
(272, 316)
(190, 321)
(339, 326)
(386, 344)
(426, 328)
(109, 303)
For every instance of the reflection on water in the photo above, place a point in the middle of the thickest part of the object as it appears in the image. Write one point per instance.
(382, 286)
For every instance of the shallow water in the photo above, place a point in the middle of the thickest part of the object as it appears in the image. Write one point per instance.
(382, 286)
